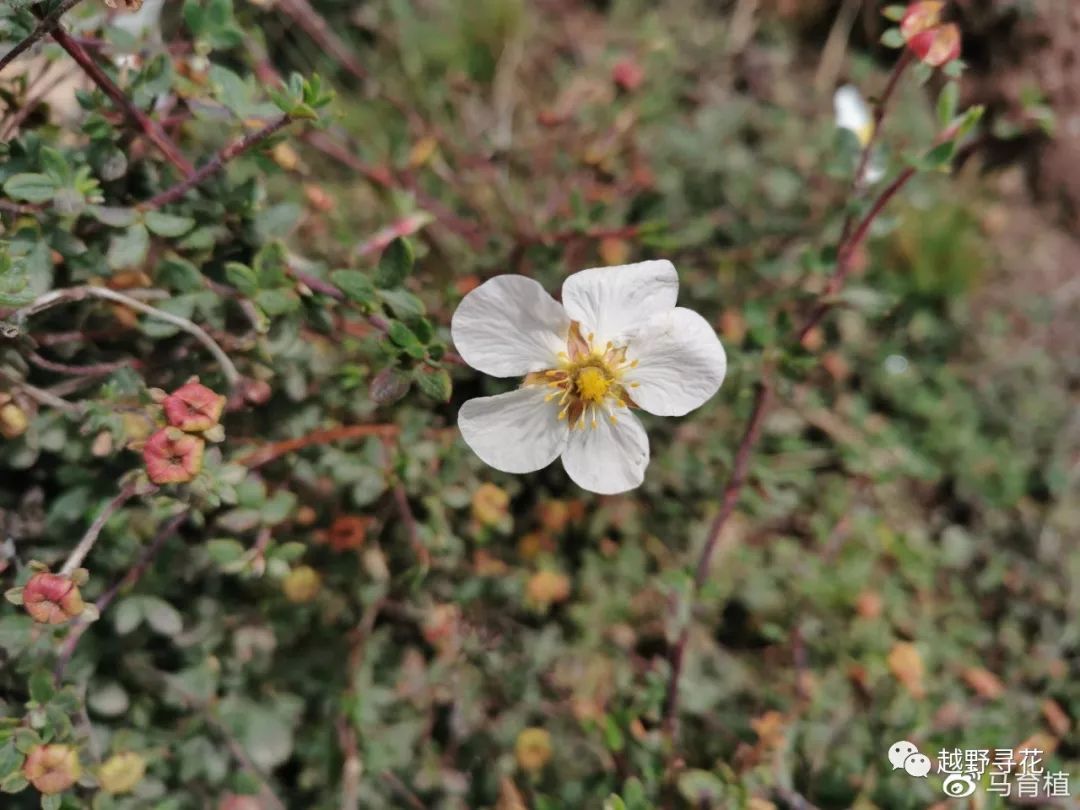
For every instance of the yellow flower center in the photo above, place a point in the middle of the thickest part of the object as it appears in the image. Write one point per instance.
(588, 382)
(592, 384)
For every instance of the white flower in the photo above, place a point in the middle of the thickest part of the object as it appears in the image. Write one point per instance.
(853, 114)
(617, 342)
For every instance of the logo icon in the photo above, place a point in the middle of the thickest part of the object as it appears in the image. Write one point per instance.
(958, 785)
(904, 754)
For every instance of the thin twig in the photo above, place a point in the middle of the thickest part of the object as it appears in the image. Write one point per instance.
(44, 28)
(43, 397)
(89, 370)
(130, 578)
(216, 163)
(84, 546)
(881, 109)
(264, 455)
(846, 253)
(302, 13)
(72, 294)
(149, 127)
(727, 506)
(402, 790)
(849, 243)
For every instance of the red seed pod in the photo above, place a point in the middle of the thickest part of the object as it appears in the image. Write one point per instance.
(172, 456)
(52, 768)
(938, 46)
(52, 599)
(921, 17)
(193, 407)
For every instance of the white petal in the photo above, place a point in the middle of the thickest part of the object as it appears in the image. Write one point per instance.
(875, 169)
(852, 112)
(611, 301)
(515, 432)
(680, 363)
(609, 458)
(509, 326)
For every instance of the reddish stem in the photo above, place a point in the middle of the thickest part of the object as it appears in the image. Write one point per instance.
(216, 163)
(149, 127)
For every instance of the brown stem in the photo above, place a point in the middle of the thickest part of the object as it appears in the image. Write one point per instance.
(72, 294)
(301, 12)
(846, 252)
(217, 163)
(47, 25)
(727, 506)
(264, 455)
(150, 128)
(850, 241)
(880, 110)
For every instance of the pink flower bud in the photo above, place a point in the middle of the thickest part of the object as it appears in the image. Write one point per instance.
(172, 456)
(933, 42)
(628, 74)
(921, 17)
(52, 768)
(193, 407)
(938, 46)
(52, 599)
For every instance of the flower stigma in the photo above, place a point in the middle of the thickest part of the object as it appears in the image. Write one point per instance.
(587, 384)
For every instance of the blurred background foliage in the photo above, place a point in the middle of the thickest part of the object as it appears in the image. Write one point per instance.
(374, 621)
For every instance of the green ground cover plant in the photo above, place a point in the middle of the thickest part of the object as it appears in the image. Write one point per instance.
(250, 562)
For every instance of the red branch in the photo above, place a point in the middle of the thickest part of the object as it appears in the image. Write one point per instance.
(264, 455)
(150, 128)
(217, 163)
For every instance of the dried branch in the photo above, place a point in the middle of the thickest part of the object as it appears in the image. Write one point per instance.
(217, 163)
(72, 294)
(47, 25)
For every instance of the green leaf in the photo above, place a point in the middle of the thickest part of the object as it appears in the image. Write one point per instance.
(277, 301)
(271, 265)
(52, 802)
(389, 385)
(436, 384)
(224, 550)
(30, 187)
(356, 286)
(41, 687)
(242, 277)
(162, 617)
(128, 249)
(939, 157)
(127, 615)
(892, 38)
(113, 216)
(168, 224)
(278, 507)
(423, 329)
(894, 12)
(394, 265)
(404, 304)
(10, 759)
(947, 101)
(403, 336)
(13, 783)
